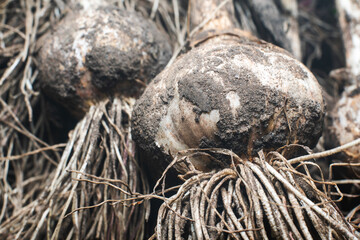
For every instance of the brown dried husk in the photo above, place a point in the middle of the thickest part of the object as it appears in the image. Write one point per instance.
(262, 199)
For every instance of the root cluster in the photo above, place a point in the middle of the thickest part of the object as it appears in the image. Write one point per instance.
(97, 167)
(251, 200)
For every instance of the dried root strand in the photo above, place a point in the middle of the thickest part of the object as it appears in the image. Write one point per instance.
(96, 167)
(250, 200)
(27, 160)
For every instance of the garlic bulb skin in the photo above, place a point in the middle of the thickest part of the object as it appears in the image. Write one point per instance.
(98, 52)
(236, 94)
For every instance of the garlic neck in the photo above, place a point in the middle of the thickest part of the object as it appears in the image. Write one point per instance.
(88, 5)
(201, 10)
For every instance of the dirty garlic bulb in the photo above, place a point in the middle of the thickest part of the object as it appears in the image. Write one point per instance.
(230, 91)
(100, 51)
(232, 94)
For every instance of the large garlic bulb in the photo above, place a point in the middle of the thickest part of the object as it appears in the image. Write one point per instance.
(234, 93)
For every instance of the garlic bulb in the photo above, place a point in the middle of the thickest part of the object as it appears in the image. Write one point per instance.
(232, 93)
(345, 120)
(99, 52)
